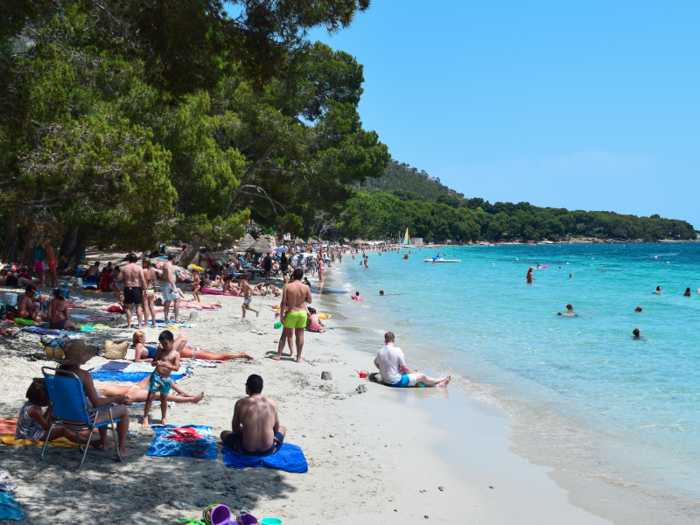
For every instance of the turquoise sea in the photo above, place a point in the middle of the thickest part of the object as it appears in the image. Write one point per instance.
(593, 401)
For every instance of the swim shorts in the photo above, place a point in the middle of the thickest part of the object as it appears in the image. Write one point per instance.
(247, 300)
(52, 264)
(91, 279)
(159, 383)
(295, 320)
(39, 266)
(133, 295)
(406, 381)
(169, 292)
(235, 442)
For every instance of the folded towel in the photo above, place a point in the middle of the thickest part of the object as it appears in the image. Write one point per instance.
(10, 508)
(289, 458)
(193, 441)
(114, 366)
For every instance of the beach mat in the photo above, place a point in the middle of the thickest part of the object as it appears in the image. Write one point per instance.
(133, 373)
(10, 508)
(8, 428)
(191, 441)
(290, 458)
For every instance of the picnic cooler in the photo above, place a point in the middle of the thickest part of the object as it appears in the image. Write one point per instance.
(10, 299)
(116, 350)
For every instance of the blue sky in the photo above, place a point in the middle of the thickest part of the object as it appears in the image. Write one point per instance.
(585, 105)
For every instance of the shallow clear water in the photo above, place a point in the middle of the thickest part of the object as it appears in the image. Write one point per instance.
(632, 404)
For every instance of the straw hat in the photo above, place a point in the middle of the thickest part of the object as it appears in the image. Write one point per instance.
(76, 352)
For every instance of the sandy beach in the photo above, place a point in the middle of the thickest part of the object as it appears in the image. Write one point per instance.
(382, 456)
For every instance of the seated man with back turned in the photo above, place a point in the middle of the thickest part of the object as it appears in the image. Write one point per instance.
(256, 429)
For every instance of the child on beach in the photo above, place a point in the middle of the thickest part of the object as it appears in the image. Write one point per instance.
(356, 297)
(248, 292)
(34, 424)
(166, 360)
(196, 287)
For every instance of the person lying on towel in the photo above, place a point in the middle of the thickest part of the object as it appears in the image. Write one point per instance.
(256, 429)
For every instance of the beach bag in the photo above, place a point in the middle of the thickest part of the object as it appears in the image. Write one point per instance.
(116, 350)
(53, 347)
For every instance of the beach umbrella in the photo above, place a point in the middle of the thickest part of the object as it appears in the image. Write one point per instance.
(299, 241)
(312, 241)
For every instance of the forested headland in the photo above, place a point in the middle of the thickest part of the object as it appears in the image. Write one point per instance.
(406, 198)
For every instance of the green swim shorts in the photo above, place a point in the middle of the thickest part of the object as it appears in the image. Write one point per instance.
(295, 320)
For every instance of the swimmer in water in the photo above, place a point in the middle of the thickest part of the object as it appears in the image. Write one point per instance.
(658, 290)
(381, 292)
(529, 277)
(637, 334)
(687, 292)
(571, 276)
(570, 309)
(638, 309)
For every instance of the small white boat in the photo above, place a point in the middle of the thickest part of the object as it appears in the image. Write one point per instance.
(442, 260)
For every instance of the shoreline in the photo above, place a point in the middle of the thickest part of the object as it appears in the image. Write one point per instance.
(613, 497)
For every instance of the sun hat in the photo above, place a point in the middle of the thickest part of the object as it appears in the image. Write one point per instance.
(76, 352)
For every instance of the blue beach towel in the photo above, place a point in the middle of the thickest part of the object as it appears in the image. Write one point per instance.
(290, 458)
(10, 508)
(127, 377)
(191, 441)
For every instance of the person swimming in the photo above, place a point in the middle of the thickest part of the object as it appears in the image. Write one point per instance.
(356, 297)
(381, 292)
(570, 309)
(638, 309)
(637, 334)
(658, 290)
(687, 292)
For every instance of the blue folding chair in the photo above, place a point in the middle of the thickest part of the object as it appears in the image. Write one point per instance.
(70, 409)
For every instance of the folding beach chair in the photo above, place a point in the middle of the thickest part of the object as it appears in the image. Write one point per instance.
(70, 409)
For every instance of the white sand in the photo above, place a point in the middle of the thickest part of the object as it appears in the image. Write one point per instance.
(376, 457)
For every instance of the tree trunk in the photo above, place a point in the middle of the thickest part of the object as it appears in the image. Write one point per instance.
(77, 252)
(26, 259)
(11, 242)
(187, 254)
(69, 240)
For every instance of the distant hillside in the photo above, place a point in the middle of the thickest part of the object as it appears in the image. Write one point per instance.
(403, 177)
(407, 198)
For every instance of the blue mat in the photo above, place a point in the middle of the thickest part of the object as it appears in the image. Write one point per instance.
(131, 377)
(290, 458)
(10, 508)
(192, 441)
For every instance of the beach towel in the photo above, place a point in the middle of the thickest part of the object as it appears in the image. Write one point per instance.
(76, 306)
(40, 331)
(10, 508)
(114, 366)
(191, 441)
(289, 458)
(134, 373)
(8, 428)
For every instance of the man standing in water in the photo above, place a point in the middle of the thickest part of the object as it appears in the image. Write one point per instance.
(295, 297)
(134, 289)
(169, 290)
(392, 365)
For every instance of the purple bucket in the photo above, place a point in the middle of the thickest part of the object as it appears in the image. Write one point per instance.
(220, 515)
(247, 519)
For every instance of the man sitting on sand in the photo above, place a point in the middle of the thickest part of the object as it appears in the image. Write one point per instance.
(26, 309)
(93, 272)
(255, 428)
(392, 364)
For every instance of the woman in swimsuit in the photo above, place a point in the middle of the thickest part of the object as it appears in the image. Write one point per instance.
(146, 353)
(149, 274)
(137, 393)
(58, 313)
(530, 278)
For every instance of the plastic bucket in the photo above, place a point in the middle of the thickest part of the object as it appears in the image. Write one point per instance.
(10, 299)
(247, 519)
(271, 521)
(217, 515)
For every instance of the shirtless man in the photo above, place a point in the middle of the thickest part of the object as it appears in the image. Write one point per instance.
(295, 298)
(92, 273)
(59, 314)
(169, 290)
(26, 309)
(255, 428)
(134, 289)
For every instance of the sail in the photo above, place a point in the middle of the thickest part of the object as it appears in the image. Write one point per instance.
(406, 239)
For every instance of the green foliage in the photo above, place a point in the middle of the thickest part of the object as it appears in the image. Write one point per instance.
(436, 213)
